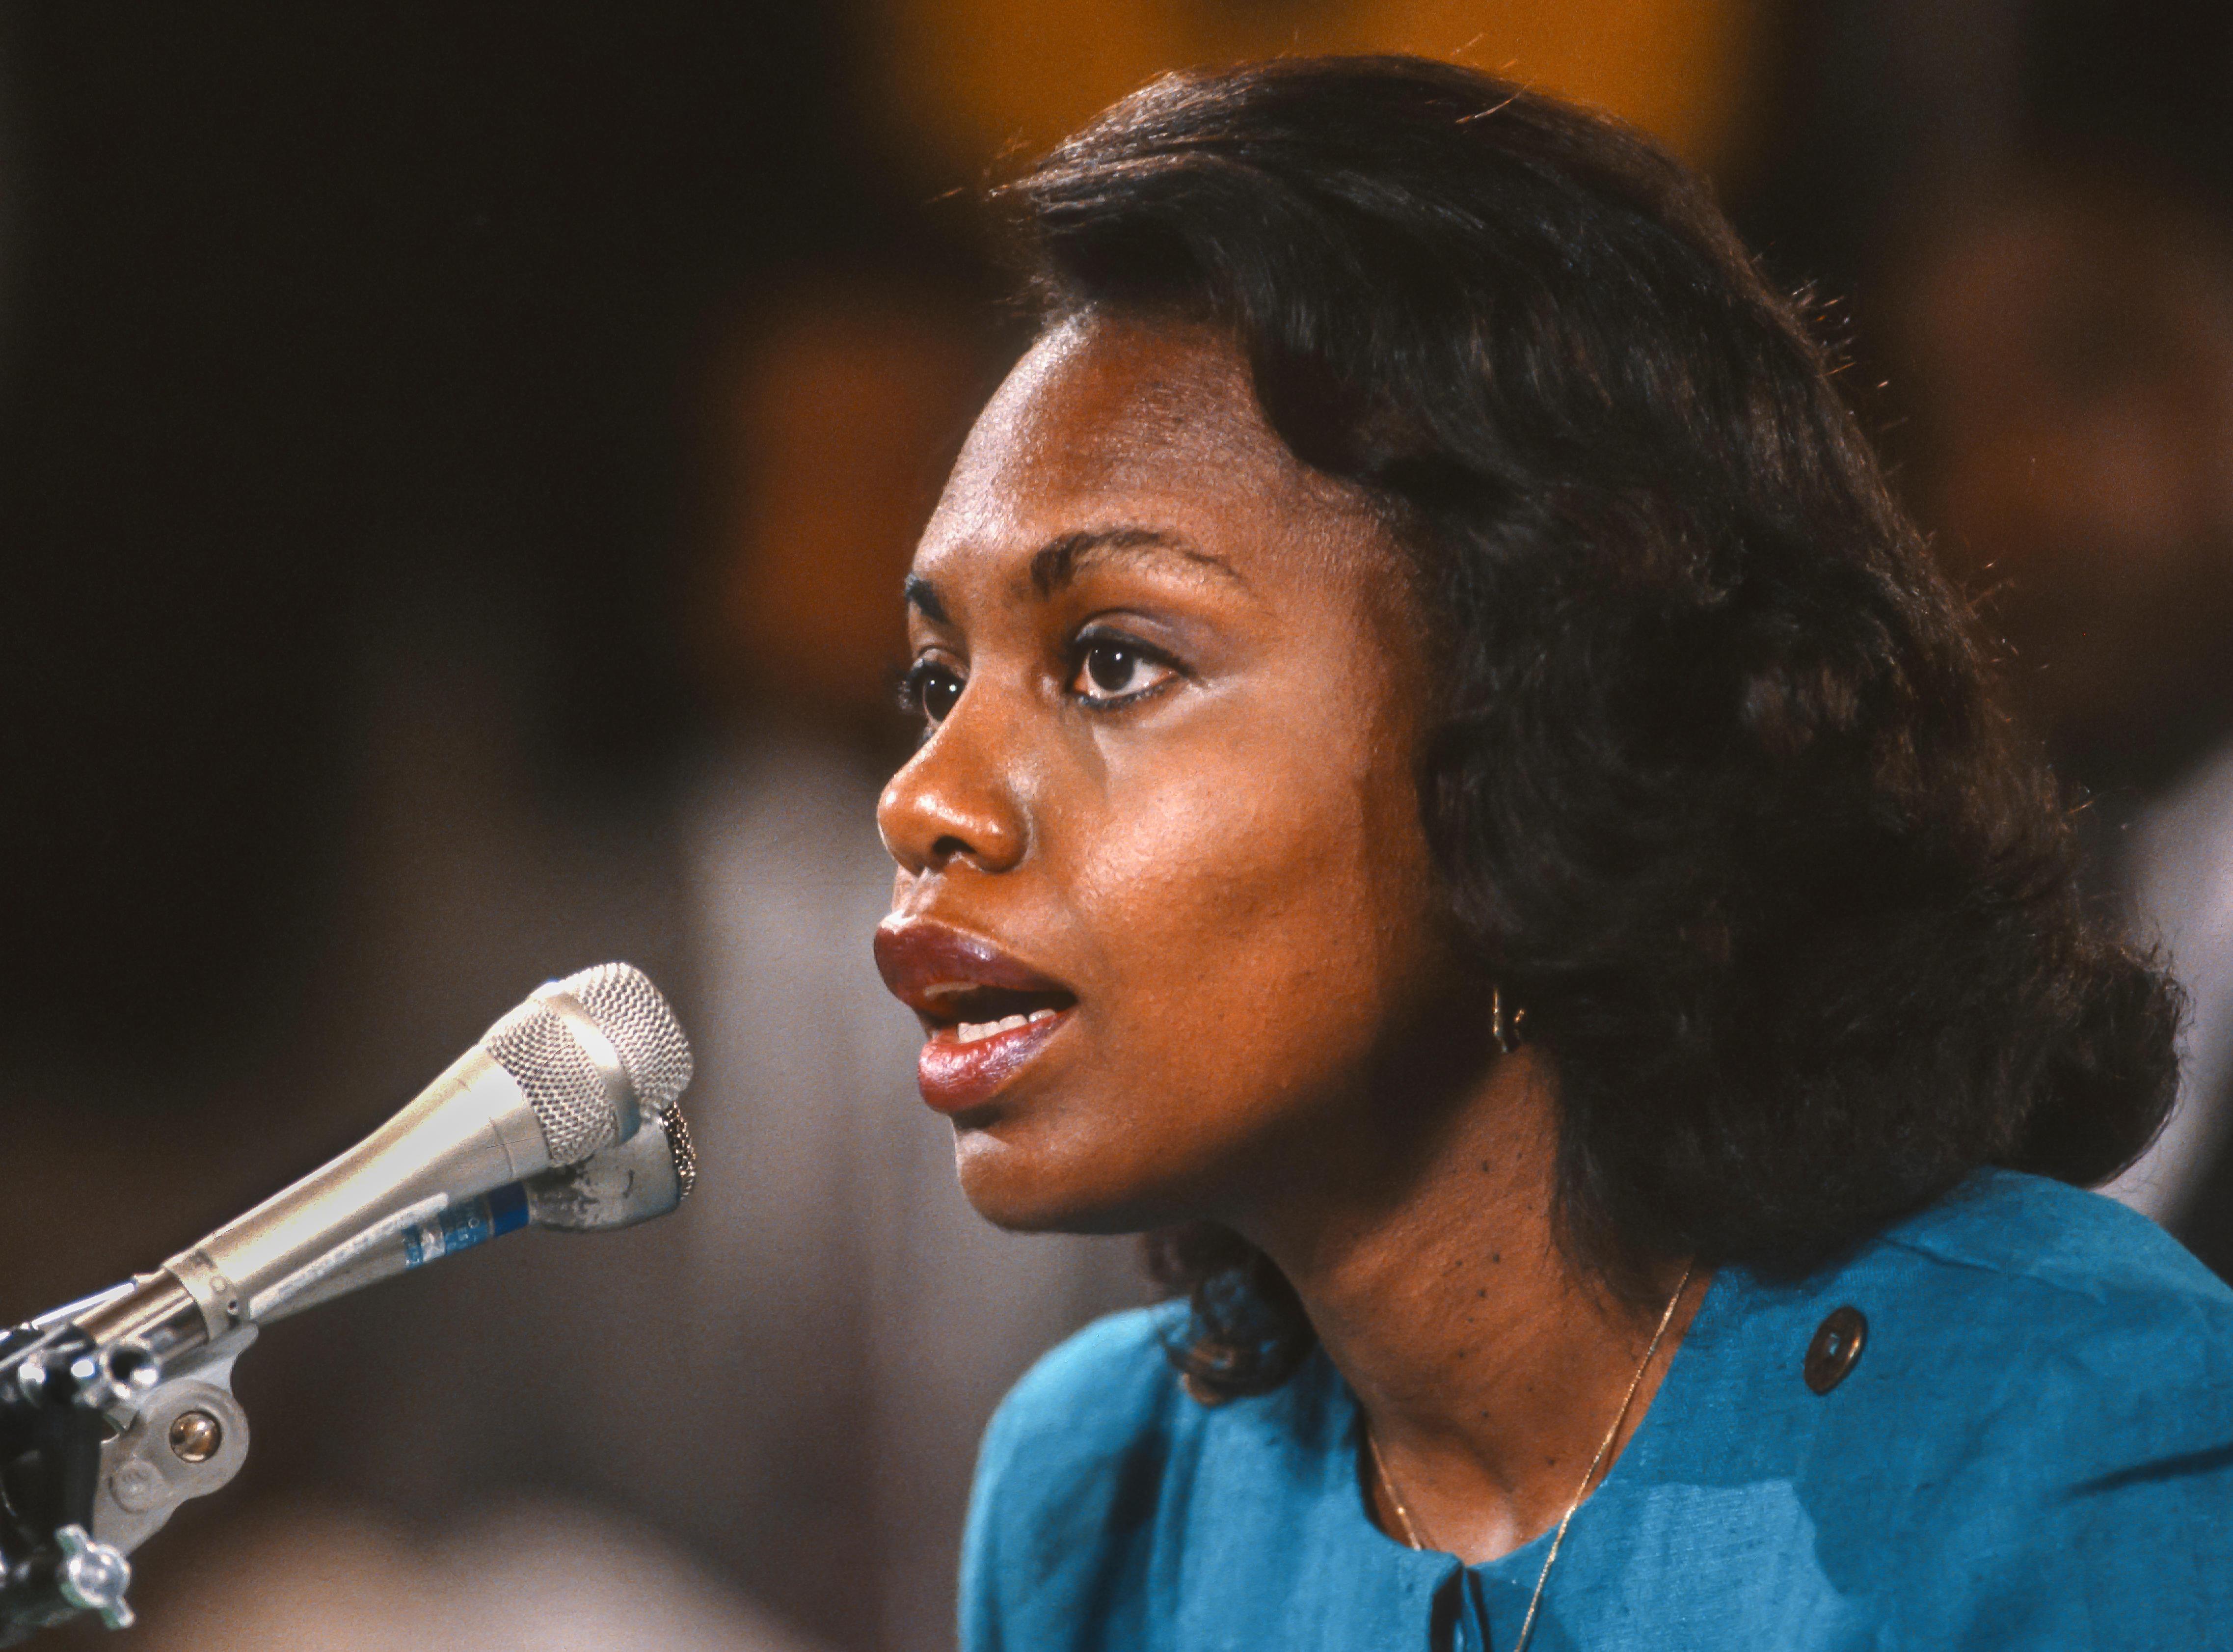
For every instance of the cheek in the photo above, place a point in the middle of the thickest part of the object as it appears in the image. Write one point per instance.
(1256, 904)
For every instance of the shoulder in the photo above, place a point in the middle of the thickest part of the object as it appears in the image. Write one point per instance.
(1118, 1366)
(1113, 1510)
(2019, 1295)
(1108, 1394)
(2062, 1264)
(1068, 1483)
(2039, 1424)
(2018, 1339)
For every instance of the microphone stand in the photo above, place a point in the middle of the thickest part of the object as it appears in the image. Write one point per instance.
(100, 1439)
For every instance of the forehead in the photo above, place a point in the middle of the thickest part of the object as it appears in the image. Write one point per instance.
(1118, 421)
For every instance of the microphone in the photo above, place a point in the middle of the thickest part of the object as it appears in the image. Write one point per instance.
(573, 1071)
(635, 1180)
(116, 1409)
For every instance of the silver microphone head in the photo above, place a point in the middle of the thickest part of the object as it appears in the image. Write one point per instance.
(621, 998)
(592, 1052)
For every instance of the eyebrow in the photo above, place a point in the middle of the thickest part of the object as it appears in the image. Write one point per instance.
(922, 596)
(1055, 563)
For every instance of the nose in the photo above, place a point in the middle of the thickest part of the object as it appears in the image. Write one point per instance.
(955, 802)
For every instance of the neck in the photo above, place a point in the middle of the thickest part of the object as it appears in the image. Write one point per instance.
(1489, 1365)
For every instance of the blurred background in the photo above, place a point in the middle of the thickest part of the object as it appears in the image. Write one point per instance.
(456, 464)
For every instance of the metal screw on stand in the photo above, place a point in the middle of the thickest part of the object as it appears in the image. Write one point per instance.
(196, 1436)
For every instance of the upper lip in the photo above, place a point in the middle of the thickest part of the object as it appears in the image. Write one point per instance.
(946, 975)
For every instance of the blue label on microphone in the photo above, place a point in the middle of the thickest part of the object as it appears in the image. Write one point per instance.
(468, 1223)
(507, 1209)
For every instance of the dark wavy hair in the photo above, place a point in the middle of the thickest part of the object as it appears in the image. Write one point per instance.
(1718, 788)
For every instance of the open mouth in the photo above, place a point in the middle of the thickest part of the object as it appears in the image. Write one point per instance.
(980, 1038)
(985, 1014)
(973, 1014)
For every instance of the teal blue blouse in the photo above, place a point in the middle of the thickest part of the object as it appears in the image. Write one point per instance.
(2034, 1449)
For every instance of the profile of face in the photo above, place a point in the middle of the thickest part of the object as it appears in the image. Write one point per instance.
(1164, 902)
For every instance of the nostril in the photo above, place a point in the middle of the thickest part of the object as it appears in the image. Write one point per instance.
(944, 809)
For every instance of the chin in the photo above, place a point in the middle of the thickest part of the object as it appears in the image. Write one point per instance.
(1027, 1188)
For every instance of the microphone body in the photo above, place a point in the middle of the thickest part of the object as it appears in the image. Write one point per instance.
(575, 1069)
(469, 1131)
(631, 1182)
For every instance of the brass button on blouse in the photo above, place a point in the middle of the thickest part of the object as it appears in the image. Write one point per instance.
(1836, 1347)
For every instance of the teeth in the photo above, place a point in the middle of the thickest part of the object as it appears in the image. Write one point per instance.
(971, 1031)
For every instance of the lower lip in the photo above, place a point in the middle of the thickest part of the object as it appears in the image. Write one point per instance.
(955, 1078)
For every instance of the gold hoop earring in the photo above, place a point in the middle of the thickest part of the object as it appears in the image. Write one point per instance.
(1510, 1034)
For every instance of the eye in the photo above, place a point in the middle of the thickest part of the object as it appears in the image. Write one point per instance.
(931, 689)
(1112, 669)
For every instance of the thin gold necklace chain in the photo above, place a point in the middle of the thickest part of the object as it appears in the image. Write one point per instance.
(1412, 1537)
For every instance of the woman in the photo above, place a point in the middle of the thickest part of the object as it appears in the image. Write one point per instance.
(1451, 793)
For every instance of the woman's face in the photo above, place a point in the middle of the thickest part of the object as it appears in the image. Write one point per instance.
(1164, 903)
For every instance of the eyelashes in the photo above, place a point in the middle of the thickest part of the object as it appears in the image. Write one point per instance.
(929, 690)
(1106, 670)
(1110, 669)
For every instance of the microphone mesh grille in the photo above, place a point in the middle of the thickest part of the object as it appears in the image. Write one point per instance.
(621, 1000)
(561, 1082)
